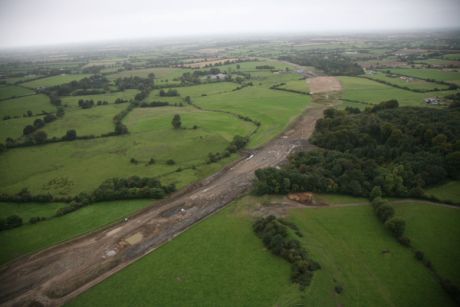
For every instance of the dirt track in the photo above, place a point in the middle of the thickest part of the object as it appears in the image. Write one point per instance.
(58, 274)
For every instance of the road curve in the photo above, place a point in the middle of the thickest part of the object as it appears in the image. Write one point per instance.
(56, 275)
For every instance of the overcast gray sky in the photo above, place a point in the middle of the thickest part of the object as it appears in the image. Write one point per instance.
(39, 22)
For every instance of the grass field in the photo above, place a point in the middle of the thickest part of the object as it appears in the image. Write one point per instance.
(239, 271)
(200, 268)
(435, 231)
(429, 73)
(297, 85)
(28, 210)
(11, 91)
(372, 92)
(54, 80)
(207, 89)
(348, 242)
(161, 73)
(30, 238)
(449, 191)
(18, 106)
(109, 97)
(83, 164)
(94, 121)
(273, 109)
(415, 84)
(12, 128)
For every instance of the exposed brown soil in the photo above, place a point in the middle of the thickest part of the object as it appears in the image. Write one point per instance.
(320, 85)
(57, 274)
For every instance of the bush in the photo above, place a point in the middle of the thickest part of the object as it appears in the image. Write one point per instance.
(419, 255)
(375, 192)
(384, 213)
(404, 241)
(11, 221)
(396, 226)
(170, 162)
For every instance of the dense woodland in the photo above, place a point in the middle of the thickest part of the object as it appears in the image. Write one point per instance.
(401, 150)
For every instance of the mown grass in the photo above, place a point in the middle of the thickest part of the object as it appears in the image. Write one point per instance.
(54, 80)
(273, 109)
(239, 271)
(372, 92)
(19, 106)
(30, 238)
(82, 165)
(9, 91)
(434, 230)
(449, 191)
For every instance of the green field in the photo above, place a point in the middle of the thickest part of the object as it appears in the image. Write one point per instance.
(28, 210)
(414, 84)
(297, 85)
(239, 271)
(273, 109)
(11, 91)
(18, 106)
(12, 128)
(84, 164)
(30, 238)
(94, 121)
(449, 191)
(372, 92)
(54, 80)
(161, 73)
(109, 97)
(429, 73)
(435, 231)
(206, 89)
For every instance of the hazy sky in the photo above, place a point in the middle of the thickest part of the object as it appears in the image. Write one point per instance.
(38, 22)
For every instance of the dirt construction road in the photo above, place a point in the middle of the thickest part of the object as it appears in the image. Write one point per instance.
(58, 274)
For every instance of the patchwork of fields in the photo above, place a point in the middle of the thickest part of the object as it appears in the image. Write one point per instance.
(260, 100)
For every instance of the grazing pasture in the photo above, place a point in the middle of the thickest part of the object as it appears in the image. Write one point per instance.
(12, 128)
(414, 84)
(84, 164)
(37, 104)
(435, 231)
(371, 92)
(449, 191)
(273, 109)
(11, 91)
(449, 75)
(94, 121)
(346, 241)
(109, 97)
(30, 238)
(54, 80)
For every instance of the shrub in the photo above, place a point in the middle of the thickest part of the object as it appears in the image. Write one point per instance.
(375, 192)
(396, 226)
(170, 162)
(419, 255)
(384, 213)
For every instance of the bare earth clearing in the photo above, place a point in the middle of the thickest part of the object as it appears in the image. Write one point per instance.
(58, 274)
(324, 85)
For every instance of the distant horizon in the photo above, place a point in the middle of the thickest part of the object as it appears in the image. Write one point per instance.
(219, 37)
(25, 23)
